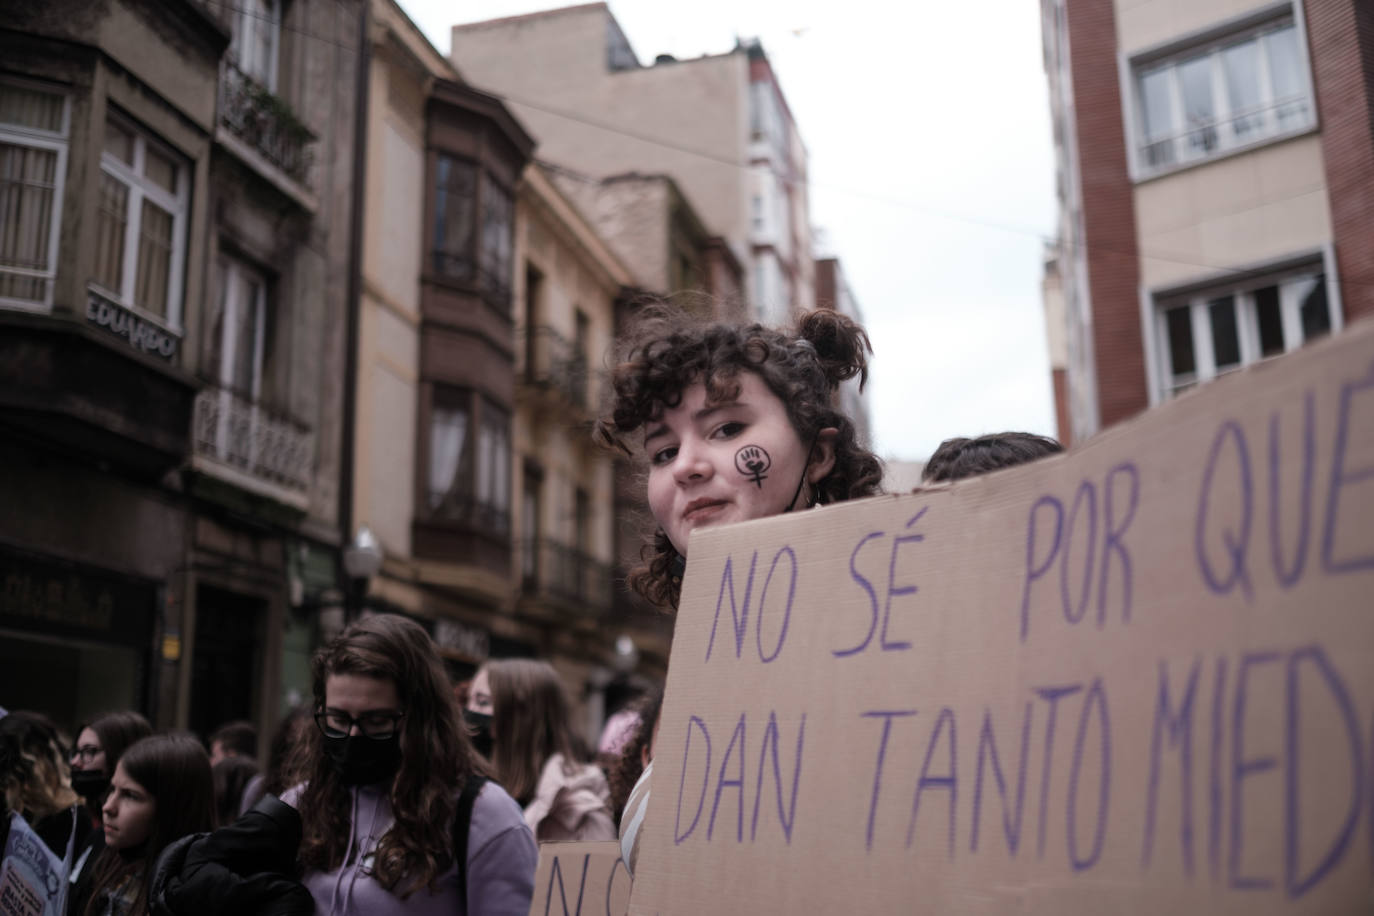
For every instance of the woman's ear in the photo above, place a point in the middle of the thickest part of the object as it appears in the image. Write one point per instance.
(822, 455)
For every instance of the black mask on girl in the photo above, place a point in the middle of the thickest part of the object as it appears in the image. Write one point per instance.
(479, 731)
(92, 785)
(361, 761)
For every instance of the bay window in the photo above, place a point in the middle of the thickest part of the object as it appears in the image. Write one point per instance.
(468, 474)
(33, 166)
(141, 223)
(473, 227)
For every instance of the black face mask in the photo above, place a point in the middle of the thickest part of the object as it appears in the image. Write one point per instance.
(361, 761)
(479, 731)
(92, 785)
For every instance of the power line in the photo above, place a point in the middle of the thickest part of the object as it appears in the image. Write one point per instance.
(857, 193)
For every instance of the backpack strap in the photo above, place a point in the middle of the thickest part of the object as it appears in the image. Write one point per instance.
(462, 824)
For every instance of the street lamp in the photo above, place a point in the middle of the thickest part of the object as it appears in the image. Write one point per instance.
(362, 559)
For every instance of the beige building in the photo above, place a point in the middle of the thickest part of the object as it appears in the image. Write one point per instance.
(487, 307)
(1214, 163)
(718, 125)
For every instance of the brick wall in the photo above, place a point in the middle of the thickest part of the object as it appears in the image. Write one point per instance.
(1341, 33)
(1108, 212)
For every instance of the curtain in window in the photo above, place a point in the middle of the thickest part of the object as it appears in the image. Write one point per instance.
(448, 428)
(111, 218)
(154, 258)
(496, 238)
(28, 182)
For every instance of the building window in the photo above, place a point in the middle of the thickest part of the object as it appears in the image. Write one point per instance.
(141, 223)
(33, 165)
(473, 227)
(239, 343)
(529, 524)
(256, 28)
(469, 476)
(1234, 92)
(1205, 334)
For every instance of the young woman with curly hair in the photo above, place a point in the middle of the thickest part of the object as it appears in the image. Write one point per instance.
(385, 771)
(734, 422)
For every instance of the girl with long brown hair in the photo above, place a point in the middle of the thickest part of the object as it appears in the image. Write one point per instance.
(535, 752)
(160, 791)
(387, 768)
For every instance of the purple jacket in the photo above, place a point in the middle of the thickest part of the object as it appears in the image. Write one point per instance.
(502, 857)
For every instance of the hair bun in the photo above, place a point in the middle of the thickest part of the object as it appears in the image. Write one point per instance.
(841, 345)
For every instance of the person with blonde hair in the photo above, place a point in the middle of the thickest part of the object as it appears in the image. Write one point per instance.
(535, 752)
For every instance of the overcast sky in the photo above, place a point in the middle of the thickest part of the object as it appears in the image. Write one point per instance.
(932, 176)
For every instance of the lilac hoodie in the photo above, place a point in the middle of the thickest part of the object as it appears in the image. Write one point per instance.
(502, 857)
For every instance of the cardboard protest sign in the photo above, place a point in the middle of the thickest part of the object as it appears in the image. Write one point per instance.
(1137, 678)
(580, 879)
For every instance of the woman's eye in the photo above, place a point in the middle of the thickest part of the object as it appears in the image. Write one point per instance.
(729, 430)
(664, 455)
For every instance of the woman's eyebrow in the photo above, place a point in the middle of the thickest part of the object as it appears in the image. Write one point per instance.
(713, 408)
(655, 431)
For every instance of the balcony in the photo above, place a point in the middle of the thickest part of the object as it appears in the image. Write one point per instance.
(245, 444)
(556, 365)
(565, 574)
(263, 130)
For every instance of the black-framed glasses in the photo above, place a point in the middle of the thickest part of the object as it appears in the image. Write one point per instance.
(336, 723)
(85, 752)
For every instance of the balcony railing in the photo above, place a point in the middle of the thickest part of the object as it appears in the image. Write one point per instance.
(267, 453)
(565, 573)
(266, 123)
(1205, 138)
(552, 361)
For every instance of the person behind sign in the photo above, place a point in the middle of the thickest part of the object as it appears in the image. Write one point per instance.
(161, 791)
(36, 783)
(734, 422)
(99, 746)
(393, 790)
(535, 753)
(958, 458)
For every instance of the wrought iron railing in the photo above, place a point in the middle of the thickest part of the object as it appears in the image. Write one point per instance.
(245, 437)
(266, 123)
(551, 360)
(460, 505)
(566, 573)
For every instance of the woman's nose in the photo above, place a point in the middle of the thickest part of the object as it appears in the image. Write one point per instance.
(692, 462)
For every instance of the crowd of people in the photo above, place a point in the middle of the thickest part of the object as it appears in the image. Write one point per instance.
(389, 795)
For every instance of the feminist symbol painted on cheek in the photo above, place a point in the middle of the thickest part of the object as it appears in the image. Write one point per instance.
(752, 461)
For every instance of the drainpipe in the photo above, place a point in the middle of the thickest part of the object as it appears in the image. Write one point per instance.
(354, 293)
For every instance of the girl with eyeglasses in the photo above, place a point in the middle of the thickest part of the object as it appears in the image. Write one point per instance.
(397, 816)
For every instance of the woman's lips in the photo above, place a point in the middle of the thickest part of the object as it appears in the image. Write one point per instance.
(698, 509)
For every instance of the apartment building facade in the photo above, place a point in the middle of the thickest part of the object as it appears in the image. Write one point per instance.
(1213, 175)
(718, 125)
(176, 185)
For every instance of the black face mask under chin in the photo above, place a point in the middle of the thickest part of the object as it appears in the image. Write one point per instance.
(361, 761)
(479, 731)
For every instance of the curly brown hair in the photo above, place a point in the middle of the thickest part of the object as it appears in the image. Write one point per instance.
(668, 350)
(436, 758)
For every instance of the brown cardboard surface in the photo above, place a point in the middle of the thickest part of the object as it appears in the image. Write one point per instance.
(580, 879)
(1137, 678)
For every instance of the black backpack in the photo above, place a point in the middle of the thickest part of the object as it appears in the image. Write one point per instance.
(462, 824)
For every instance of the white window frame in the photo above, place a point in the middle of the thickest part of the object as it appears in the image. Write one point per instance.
(177, 204)
(1241, 285)
(1211, 41)
(55, 142)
